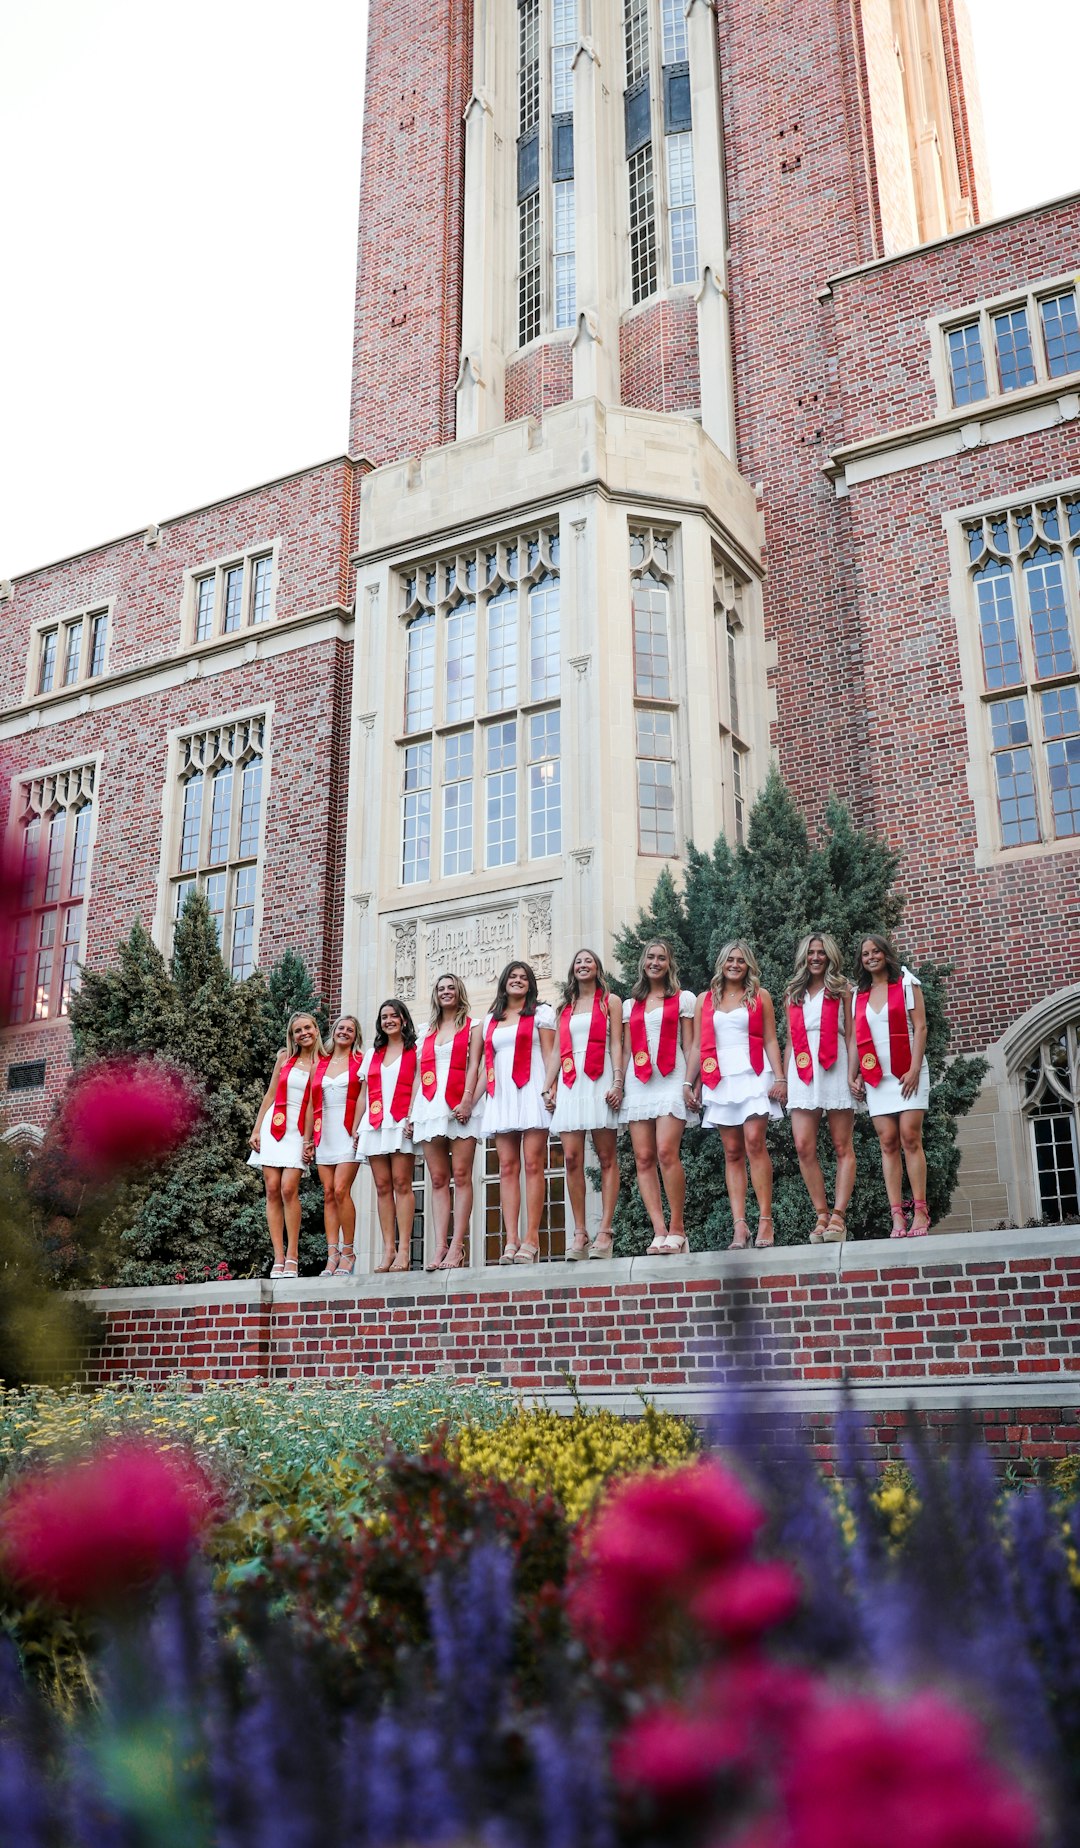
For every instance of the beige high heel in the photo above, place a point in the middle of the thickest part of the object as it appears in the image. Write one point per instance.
(817, 1236)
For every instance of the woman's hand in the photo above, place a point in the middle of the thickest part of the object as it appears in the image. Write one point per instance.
(778, 1091)
(463, 1111)
(857, 1085)
(309, 1153)
(613, 1097)
(909, 1083)
(548, 1095)
(256, 1141)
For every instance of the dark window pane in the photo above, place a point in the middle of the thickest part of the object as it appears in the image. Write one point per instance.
(528, 164)
(562, 147)
(677, 99)
(638, 117)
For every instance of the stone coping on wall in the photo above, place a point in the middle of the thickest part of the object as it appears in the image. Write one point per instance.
(1015, 1245)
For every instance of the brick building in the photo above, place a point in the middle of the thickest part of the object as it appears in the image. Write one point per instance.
(700, 410)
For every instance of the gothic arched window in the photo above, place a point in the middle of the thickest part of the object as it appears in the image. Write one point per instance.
(1051, 1088)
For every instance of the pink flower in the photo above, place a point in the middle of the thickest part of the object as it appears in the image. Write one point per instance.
(93, 1530)
(660, 1539)
(742, 1602)
(677, 1756)
(860, 1775)
(120, 1114)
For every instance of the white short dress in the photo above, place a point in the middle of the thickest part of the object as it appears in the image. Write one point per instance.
(289, 1152)
(430, 1116)
(886, 1098)
(658, 1096)
(827, 1089)
(390, 1137)
(335, 1143)
(511, 1109)
(742, 1092)
(583, 1105)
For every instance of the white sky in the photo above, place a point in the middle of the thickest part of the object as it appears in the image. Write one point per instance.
(178, 229)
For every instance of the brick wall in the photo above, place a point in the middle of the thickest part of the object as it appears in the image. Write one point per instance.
(993, 1321)
(538, 379)
(658, 357)
(408, 274)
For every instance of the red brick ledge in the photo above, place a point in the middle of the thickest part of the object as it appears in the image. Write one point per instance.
(990, 1318)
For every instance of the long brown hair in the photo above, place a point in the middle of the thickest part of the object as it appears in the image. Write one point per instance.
(753, 971)
(501, 1001)
(892, 960)
(640, 990)
(572, 990)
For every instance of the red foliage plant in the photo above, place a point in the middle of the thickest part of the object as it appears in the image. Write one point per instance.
(120, 1114)
(90, 1532)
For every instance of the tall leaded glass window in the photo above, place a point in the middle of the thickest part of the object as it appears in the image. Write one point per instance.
(655, 716)
(547, 284)
(70, 652)
(1051, 1107)
(483, 661)
(55, 819)
(659, 147)
(1025, 576)
(216, 848)
(226, 598)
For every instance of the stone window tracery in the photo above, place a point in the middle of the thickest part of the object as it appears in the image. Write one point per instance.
(483, 667)
(54, 817)
(1024, 567)
(659, 147)
(1051, 1108)
(217, 842)
(547, 291)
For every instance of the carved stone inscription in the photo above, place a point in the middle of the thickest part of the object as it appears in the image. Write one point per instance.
(475, 947)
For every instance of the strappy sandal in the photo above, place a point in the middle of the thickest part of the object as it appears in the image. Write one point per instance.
(346, 1262)
(509, 1256)
(402, 1262)
(764, 1244)
(277, 1269)
(453, 1260)
(438, 1262)
(332, 1260)
(291, 1268)
(737, 1243)
(899, 1222)
(836, 1231)
(817, 1236)
(923, 1211)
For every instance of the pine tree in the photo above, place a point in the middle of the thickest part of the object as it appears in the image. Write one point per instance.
(205, 1206)
(772, 891)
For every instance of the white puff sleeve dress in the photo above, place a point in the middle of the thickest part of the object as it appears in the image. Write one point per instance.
(514, 1109)
(658, 1096)
(390, 1137)
(583, 1105)
(742, 1092)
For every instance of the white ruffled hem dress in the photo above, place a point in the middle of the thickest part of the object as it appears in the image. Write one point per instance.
(658, 1096)
(886, 1098)
(827, 1089)
(390, 1137)
(431, 1118)
(511, 1110)
(289, 1151)
(335, 1143)
(583, 1106)
(742, 1092)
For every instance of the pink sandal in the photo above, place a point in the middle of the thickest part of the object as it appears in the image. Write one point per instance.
(921, 1211)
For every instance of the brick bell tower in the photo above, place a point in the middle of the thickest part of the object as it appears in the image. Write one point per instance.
(592, 236)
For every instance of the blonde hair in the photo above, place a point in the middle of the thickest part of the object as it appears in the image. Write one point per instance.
(753, 970)
(318, 1051)
(835, 980)
(640, 990)
(358, 1042)
(462, 1014)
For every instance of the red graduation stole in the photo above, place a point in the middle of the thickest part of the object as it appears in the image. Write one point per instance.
(669, 1040)
(403, 1090)
(459, 1064)
(352, 1094)
(828, 1041)
(710, 1065)
(523, 1046)
(596, 1047)
(899, 1037)
(281, 1100)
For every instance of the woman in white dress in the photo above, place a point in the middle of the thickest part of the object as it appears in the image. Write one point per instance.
(389, 1076)
(442, 1115)
(277, 1140)
(519, 1033)
(818, 999)
(658, 1034)
(330, 1132)
(736, 1056)
(887, 1066)
(583, 1087)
